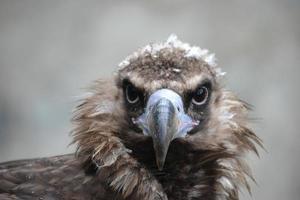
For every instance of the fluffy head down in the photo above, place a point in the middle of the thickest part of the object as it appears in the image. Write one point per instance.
(208, 161)
(172, 64)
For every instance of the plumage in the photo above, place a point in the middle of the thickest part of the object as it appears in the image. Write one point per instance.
(163, 128)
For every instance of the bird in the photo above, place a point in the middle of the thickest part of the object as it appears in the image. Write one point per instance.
(163, 127)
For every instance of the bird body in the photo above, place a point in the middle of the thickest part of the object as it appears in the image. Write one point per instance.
(163, 128)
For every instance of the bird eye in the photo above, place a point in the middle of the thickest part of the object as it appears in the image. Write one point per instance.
(132, 94)
(200, 96)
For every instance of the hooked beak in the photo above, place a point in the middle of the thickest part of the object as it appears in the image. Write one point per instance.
(163, 124)
(164, 120)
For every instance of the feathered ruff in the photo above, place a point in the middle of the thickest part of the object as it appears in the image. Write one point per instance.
(209, 165)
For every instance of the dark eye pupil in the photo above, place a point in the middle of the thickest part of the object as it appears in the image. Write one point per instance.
(200, 95)
(132, 94)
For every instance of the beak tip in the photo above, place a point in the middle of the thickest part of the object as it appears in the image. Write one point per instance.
(160, 165)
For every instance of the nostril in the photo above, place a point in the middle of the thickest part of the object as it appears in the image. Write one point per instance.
(178, 108)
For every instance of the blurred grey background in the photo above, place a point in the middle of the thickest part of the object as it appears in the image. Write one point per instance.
(51, 50)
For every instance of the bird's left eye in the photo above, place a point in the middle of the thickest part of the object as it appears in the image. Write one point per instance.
(200, 96)
(132, 94)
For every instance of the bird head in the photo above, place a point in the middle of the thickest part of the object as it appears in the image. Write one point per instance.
(167, 93)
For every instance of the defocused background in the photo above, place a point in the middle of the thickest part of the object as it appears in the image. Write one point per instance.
(51, 50)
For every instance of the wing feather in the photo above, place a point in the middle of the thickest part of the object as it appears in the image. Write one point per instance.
(59, 177)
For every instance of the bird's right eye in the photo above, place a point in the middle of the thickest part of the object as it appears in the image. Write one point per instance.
(132, 94)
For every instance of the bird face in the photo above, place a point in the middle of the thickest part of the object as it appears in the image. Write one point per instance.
(167, 96)
(163, 119)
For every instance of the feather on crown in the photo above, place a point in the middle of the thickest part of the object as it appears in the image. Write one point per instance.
(192, 52)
